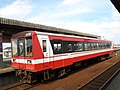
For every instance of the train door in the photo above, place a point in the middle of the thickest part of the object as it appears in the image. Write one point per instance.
(45, 47)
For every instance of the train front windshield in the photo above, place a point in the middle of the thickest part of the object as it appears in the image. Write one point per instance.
(22, 47)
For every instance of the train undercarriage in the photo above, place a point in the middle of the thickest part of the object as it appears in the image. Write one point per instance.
(32, 77)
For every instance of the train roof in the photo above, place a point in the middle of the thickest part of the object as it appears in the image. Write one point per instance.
(28, 33)
(71, 36)
(22, 26)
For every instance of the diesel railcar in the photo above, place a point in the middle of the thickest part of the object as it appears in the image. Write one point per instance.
(43, 56)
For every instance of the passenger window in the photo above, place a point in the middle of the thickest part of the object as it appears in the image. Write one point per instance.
(85, 46)
(44, 45)
(69, 47)
(57, 47)
(78, 46)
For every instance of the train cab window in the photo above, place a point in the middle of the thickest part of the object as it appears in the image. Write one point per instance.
(21, 47)
(14, 47)
(28, 46)
(44, 45)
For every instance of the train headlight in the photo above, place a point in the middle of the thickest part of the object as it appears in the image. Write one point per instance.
(29, 62)
(13, 60)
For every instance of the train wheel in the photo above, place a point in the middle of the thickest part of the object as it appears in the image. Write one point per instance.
(68, 70)
(29, 78)
(52, 75)
(61, 72)
(46, 75)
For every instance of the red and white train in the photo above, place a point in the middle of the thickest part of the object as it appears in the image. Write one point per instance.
(43, 56)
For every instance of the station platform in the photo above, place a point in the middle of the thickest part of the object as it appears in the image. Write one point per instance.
(115, 84)
(6, 67)
(6, 70)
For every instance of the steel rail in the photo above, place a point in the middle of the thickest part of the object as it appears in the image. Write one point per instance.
(98, 77)
(109, 80)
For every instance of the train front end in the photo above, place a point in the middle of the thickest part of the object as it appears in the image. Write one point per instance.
(23, 55)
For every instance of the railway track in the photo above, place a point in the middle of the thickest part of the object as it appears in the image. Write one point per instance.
(101, 81)
(98, 83)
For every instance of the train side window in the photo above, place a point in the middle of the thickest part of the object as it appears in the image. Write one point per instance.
(98, 45)
(44, 45)
(88, 46)
(57, 47)
(69, 47)
(78, 46)
(92, 46)
(85, 46)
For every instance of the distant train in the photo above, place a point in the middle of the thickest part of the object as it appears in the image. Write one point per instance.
(44, 56)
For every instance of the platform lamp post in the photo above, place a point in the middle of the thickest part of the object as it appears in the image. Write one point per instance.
(1, 53)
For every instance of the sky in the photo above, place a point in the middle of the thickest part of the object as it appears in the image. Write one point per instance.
(97, 17)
